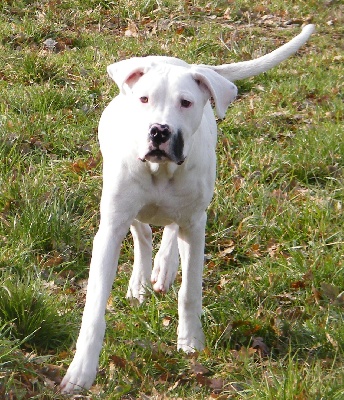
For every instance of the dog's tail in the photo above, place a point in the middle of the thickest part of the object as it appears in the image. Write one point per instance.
(245, 69)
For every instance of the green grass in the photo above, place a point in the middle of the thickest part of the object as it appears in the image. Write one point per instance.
(274, 273)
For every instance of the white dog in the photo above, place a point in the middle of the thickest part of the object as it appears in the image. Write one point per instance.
(158, 139)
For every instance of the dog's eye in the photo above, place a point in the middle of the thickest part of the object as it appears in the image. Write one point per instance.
(185, 103)
(144, 99)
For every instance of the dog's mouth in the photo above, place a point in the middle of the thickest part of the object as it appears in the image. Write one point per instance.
(159, 156)
(156, 155)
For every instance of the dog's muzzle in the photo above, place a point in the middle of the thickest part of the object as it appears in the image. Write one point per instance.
(163, 145)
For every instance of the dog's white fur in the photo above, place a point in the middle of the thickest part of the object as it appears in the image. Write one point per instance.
(158, 139)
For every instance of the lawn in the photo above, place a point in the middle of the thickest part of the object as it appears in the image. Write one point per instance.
(274, 267)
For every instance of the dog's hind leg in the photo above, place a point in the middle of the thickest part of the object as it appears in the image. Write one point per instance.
(142, 269)
(166, 261)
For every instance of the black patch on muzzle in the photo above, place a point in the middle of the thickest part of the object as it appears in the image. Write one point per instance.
(177, 146)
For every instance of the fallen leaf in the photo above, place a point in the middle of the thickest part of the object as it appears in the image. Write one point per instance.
(118, 361)
(198, 368)
(298, 285)
(255, 250)
(243, 353)
(228, 250)
(279, 194)
(50, 43)
(216, 384)
(262, 348)
(238, 182)
(52, 260)
(51, 374)
(80, 165)
(227, 14)
(331, 340)
(180, 29)
(330, 291)
(166, 321)
(223, 282)
(132, 30)
(285, 298)
(202, 380)
(273, 248)
(308, 276)
(294, 314)
(317, 295)
(339, 301)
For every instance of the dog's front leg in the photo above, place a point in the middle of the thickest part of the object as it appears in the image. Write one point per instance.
(191, 241)
(106, 246)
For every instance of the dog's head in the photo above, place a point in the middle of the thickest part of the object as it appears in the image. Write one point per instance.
(167, 101)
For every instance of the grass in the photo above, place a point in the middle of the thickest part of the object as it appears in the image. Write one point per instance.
(273, 279)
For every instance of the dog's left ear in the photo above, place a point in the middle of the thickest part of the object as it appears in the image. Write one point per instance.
(220, 89)
(127, 72)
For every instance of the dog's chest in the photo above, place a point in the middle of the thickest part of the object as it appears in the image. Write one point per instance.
(156, 215)
(162, 205)
(168, 200)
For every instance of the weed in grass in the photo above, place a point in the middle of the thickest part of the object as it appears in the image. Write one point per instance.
(32, 316)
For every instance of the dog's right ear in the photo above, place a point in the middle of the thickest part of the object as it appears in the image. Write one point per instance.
(127, 72)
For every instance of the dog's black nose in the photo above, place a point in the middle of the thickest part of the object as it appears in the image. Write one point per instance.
(159, 134)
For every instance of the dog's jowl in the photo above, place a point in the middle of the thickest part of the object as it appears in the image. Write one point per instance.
(158, 139)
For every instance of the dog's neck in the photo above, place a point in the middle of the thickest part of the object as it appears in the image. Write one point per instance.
(167, 169)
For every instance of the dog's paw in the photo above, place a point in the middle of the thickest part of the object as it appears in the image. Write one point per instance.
(79, 377)
(163, 276)
(136, 296)
(162, 279)
(137, 289)
(190, 338)
(164, 272)
(191, 345)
